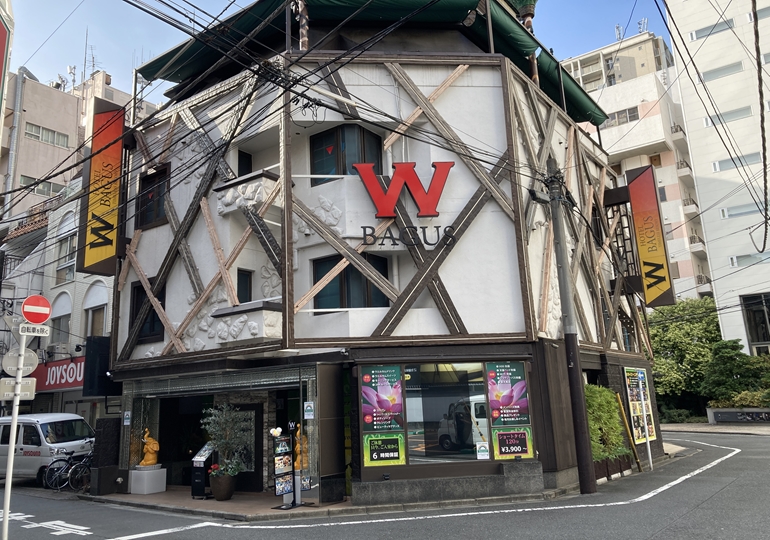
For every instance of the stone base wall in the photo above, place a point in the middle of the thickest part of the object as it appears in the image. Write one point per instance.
(518, 478)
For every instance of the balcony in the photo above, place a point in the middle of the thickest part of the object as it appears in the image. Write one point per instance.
(690, 207)
(684, 172)
(37, 218)
(679, 137)
(703, 285)
(698, 246)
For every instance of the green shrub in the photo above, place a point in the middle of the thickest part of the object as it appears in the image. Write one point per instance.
(747, 398)
(604, 423)
(675, 416)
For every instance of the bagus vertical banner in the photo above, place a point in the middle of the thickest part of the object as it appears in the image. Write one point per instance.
(99, 216)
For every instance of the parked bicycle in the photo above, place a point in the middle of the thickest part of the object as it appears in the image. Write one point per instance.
(64, 471)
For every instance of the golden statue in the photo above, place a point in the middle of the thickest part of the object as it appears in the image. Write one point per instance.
(151, 448)
(300, 451)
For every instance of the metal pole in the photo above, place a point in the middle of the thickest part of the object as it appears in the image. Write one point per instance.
(640, 376)
(585, 462)
(13, 436)
(489, 28)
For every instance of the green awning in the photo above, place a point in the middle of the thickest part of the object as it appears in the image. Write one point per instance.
(193, 57)
(580, 106)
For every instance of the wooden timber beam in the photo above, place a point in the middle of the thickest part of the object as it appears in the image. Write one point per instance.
(438, 255)
(206, 144)
(184, 249)
(415, 114)
(462, 151)
(232, 295)
(247, 92)
(338, 268)
(266, 239)
(337, 86)
(169, 139)
(144, 148)
(436, 287)
(237, 249)
(344, 249)
(155, 302)
(127, 265)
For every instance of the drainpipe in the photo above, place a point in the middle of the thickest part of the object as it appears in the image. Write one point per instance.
(13, 136)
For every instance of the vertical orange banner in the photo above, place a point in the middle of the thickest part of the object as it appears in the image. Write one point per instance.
(99, 235)
(650, 238)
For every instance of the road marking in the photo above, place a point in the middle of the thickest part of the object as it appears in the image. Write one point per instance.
(60, 528)
(641, 498)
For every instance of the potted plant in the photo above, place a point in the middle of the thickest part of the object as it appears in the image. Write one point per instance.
(230, 434)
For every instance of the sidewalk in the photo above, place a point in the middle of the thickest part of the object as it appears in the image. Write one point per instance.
(744, 428)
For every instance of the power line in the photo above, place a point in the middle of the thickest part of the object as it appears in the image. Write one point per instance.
(52, 33)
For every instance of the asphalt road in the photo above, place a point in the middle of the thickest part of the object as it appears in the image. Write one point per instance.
(720, 489)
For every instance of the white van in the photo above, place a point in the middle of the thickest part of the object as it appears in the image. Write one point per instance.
(464, 424)
(41, 439)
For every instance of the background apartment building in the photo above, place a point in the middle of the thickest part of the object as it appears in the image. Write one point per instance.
(632, 81)
(729, 176)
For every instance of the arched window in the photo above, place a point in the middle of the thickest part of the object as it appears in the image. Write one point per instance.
(61, 313)
(95, 309)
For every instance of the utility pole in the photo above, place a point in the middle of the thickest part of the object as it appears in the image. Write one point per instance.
(577, 394)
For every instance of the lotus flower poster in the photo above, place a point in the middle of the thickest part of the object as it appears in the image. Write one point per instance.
(507, 392)
(381, 399)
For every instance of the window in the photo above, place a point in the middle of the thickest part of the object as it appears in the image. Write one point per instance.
(718, 73)
(724, 213)
(244, 285)
(721, 26)
(673, 267)
(65, 260)
(41, 188)
(662, 194)
(30, 436)
(756, 313)
(95, 321)
(60, 329)
(5, 435)
(655, 160)
(727, 116)
(152, 328)
(611, 80)
(244, 163)
(668, 229)
(38, 133)
(66, 431)
(152, 192)
(621, 117)
(335, 151)
(761, 14)
(349, 289)
(727, 164)
(95, 309)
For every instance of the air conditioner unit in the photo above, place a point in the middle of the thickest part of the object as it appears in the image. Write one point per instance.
(57, 350)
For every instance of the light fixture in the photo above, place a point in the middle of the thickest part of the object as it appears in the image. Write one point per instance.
(78, 348)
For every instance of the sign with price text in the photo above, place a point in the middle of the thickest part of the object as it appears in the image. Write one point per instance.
(510, 443)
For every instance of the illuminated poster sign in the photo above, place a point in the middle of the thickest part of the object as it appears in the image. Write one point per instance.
(650, 239)
(101, 180)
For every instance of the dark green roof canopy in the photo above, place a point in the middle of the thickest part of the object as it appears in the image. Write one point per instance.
(193, 57)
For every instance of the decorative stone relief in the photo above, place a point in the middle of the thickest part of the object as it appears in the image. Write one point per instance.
(152, 353)
(253, 328)
(198, 345)
(271, 287)
(329, 214)
(188, 152)
(223, 329)
(273, 324)
(237, 327)
(249, 194)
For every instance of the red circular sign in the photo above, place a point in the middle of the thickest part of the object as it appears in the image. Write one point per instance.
(36, 309)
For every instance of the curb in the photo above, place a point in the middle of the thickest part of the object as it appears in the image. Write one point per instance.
(546, 495)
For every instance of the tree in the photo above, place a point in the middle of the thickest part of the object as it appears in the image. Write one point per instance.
(682, 336)
(731, 372)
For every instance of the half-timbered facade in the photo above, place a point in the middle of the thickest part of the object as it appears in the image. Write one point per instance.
(350, 240)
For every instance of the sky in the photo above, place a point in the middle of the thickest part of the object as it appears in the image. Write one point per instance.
(121, 37)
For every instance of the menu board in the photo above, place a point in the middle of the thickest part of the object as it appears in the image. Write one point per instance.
(381, 399)
(284, 484)
(507, 393)
(282, 464)
(638, 418)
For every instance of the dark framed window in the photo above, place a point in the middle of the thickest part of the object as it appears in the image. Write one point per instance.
(756, 313)
(152, 192)
(336, 150)
(152, 328)
(244, 285)
(349, 289)
(244, 163)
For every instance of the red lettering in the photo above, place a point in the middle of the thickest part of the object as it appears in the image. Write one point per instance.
(404, 174)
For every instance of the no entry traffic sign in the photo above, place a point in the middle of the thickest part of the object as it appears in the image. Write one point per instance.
(36, 309)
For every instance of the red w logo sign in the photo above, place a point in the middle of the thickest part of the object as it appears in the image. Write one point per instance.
(404, 174)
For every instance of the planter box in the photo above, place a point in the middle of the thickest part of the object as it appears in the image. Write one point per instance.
(607, 468)
(749, 414)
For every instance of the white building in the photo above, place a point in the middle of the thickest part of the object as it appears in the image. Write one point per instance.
(723, 49)
(632, 81)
